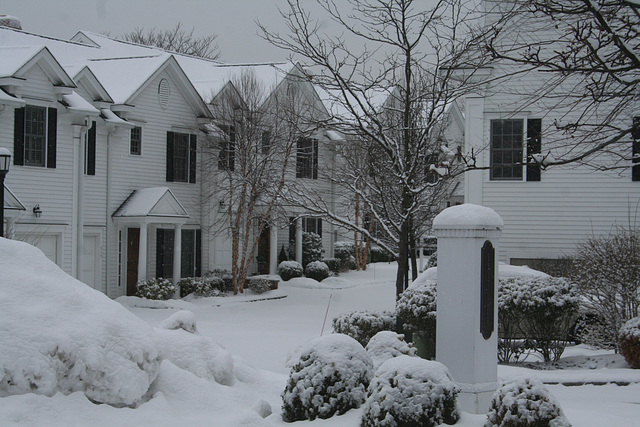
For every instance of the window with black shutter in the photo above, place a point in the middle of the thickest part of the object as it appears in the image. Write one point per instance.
(307, 158)
(35, 136)
(534, 147)
(506, 149)
(181, 157)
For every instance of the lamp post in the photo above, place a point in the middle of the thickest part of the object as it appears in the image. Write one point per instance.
(5, 161)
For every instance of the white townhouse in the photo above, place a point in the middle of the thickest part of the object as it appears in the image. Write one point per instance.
(107, 144)
(546, 212)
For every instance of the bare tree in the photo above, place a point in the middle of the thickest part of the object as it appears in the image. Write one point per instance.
(588, 52)
(388, 88)
(176, 39)
(249, 153)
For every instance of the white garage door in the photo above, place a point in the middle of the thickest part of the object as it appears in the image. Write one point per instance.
(47, 243)
(91, 261)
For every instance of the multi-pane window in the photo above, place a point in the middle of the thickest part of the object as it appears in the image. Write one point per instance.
(227, 154)
(307, 158)
(181, 157)
(190, 263)
(35, 134)
(506, 149)
(308, 225)
(135, 141)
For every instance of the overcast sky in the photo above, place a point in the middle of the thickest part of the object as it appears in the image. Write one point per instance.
(232, 20)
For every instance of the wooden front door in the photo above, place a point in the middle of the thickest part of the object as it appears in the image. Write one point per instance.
(133, 250)
(264, 251)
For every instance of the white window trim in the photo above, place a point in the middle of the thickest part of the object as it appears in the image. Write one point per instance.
(139, 125)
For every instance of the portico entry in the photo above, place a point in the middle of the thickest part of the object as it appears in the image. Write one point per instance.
(143, 212)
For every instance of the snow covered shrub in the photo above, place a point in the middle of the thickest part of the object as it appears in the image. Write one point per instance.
(330, 377)
(591, 329)
(59, 335)
(282, 255)
(289, 269)
(387, 344)
(410, 391)
(259, 286)
(378, 254)
(510, 318)
(311, 248)
(316, 270)
(416, 307)
(362, 325)
(225, 275)
(544, 309)
(608, 277)
(333, 264)
(345, 252)
(201, 286)
(525, 403)
(433, 260)
(157, 288)
(630, 342)
(183, 319)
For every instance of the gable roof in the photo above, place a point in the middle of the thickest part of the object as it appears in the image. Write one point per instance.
(151, 202)
(11, 202)
(18, 60)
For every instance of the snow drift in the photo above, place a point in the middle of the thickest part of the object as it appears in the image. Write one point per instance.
(59, 335)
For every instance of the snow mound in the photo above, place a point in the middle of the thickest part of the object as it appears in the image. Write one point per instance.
(183, 319)
(333, 282)
(138, 302)
(430, 275)
(59, 335)
(386, 345)
(411, 391)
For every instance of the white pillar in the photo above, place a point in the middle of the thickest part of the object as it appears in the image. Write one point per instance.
(177, 254)
(273, 247)
(467, 314)
(142, 253)
(299, 240)
(474, 140)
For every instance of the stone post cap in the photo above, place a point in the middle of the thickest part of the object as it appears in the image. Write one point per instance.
(468, 217)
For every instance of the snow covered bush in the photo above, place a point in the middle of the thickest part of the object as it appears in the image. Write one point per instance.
(333, 264)
(510, 318)
(225, 275)
(543, 308)
(607, 274)
(201, 286)
(316, 270)
(417, 309)
(330, 377)
(630, 342)
(433, 260)
(259, 286)
(289, 269)
(157, 288)
(387, 344)
(410, 391)
(311, 248)
(59, 335)
(345, 252)
(362, 325)
(525, 403)
(183, 319)
(378, 254)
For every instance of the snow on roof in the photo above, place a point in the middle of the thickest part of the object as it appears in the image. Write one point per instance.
(466, 216)
(333, 135)
(75, 102)
(111, 117)
(14, 58)
(7, 99)
(11, 202)
(153, 201)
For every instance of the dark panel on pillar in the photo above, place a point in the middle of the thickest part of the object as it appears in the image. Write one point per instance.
(487, 289)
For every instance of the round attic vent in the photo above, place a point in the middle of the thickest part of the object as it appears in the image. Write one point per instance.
(10, 21)
(164, 91)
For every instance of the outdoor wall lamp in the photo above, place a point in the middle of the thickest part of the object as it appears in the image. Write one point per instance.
(37, 211)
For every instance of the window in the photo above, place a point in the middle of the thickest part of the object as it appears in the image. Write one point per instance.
(309, 225)
(181, 157)
(506, 149)
(227, 155)
(35, 133)
(135, 141)
(90, 150)
(635, 134)
(190, 260)
(307, 158)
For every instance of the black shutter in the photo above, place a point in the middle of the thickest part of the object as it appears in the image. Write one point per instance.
(198, 271)
(314, 142)
(52, 135)
(192, 158)
(319, 223)
(299, 158)
(91, 150)
(170, 138)
(18, 136)
(159, 252)
(635, 133)
(534, 146)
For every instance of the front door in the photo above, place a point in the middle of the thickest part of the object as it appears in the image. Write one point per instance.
(133, 250)
(264, 250)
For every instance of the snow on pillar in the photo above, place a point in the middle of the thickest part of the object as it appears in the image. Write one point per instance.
(467, 316)
(299, 240)
(273, 247)
(142, 254)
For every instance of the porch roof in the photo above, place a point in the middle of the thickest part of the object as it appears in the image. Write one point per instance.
(152, 203)
(11, 202)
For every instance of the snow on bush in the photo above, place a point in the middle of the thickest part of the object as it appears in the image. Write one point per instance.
(289, 269)
(59, 335)
(330, 377)
(157, 288)
(183, 319)
(311, 248)
(259, 286)
(387, 344)
(210, 286)
(316, 270)
(333, 264)
(630, 342)
(362, 325)
(410, 391)
(525, 402)
(417, 308)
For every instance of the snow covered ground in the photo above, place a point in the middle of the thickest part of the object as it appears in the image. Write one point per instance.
(260, 332)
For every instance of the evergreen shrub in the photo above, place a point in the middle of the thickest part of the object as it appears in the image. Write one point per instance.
(259, 286)
(362, 325)
(333, 264)
(630, 342)
(157, 288)
(377, 254)
(311, 248)
(416, 307)
(316, 270)
(387, 344)
(201, 286)
(289, 269)
(225, 275)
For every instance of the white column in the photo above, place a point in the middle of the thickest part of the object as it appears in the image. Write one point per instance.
(466, 332)
(142, 253)
(177, 254)
(273, 247)
(474, 139)
(299, 240)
